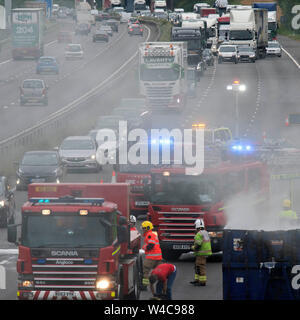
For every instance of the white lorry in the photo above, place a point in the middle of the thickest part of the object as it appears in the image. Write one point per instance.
(83, 13)
(160, 4)
(162, 74)
(249, 27)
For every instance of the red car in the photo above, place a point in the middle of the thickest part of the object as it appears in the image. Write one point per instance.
(135, 29)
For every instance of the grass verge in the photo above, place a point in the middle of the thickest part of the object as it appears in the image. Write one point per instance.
(289, 33)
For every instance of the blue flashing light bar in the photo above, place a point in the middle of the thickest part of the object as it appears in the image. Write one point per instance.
(242, 148)
(67, 200)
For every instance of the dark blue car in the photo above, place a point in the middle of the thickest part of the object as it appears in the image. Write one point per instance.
(47, 65)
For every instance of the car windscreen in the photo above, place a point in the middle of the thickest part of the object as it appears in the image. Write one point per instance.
(245, 49)
(273, 45)
(227, 49)
(32, 84)
(74, 48)
(47, 60)
(42, 159)
(64, 231)
(77, 145)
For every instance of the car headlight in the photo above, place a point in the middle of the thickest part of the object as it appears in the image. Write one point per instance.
(93, 156)
(2, 203)
(104, 284)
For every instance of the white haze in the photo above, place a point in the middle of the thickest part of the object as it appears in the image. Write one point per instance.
(241, 214)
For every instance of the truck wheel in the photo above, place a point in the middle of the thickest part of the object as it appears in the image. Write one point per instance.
(120, 290)
(135, 295)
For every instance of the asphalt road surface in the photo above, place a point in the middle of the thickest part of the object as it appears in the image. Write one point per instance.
(272, 92)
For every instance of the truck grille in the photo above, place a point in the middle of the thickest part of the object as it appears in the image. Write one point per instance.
(159, 96)
(65, 273)
(178, 226)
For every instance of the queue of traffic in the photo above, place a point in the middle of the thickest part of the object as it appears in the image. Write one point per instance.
(61, 221)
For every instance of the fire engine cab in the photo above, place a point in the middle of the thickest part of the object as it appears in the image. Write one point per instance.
(75, 243)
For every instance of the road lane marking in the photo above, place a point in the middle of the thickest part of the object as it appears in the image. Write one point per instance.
(6, 61)
(9, 251)
(292, 58)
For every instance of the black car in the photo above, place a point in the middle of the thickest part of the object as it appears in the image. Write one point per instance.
(39, 166)
(7, 203)
(100, 35)
(208, 57)
(114, 24)
(82, 28)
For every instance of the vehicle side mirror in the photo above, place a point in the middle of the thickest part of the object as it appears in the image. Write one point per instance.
(12, 233)
(122, 230)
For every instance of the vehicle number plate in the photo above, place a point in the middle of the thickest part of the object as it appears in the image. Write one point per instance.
(37, 180)
(181, 247)
(142, 203)
(68, 294)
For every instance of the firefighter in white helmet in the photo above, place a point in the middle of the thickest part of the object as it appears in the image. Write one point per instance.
(202, 249)
(132, 220)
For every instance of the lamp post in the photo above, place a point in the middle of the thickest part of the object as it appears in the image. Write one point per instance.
(236, 87)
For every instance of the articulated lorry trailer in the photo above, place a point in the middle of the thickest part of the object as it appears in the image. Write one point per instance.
(272, 17)
(249, 27)
(162, 74)
(76, 243)
(27, 33)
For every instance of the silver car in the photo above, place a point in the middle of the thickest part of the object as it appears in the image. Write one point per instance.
(274, 49)
(79, 152)
(107, 29)
(74, 51)
(33, 90)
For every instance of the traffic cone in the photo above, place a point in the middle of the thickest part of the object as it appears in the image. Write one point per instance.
(101, 181)
(287, 121)
(113, 178)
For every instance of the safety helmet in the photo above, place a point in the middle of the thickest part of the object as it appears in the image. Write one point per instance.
(147, 225)
(286, 203)
(132, 219)
(199, 223)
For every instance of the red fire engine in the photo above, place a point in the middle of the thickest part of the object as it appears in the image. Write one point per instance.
(177, 200)
(76, 243)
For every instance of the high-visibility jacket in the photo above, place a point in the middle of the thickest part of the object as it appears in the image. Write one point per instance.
(202, 245)
(155, 252)
(288, 214)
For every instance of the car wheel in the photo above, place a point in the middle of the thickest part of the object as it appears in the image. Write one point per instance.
(279, 56)
(253, 60)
